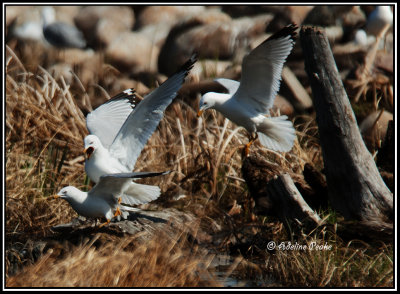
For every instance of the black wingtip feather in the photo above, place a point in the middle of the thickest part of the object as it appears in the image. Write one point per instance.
(129, 94)
(188, 65)
(289, 30)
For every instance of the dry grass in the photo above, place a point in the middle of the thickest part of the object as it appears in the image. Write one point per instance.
(160, 262)
(45, 125)
(44, 132)
(44, 129)
(355, 264)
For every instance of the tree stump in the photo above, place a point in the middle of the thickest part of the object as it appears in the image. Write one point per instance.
(355, 186)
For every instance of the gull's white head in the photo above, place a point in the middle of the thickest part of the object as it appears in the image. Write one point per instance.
(208, 100)
(92, 144)
(70, 193)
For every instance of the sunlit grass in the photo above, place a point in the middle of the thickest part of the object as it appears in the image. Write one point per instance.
(45, 125)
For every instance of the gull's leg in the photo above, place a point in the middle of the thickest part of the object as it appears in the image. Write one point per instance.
(251, 141)
(106, 223)
(117, 212)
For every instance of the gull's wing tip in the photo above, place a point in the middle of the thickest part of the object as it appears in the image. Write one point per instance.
(188, 65)
(129, 94)
(289, 30)
(194, 58)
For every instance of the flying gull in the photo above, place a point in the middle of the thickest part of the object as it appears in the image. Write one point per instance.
(250, 100)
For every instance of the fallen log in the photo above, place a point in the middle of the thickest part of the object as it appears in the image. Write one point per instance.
(355, 187)
(275, 194)
(292, 205)
(302, 101)
(168, 220)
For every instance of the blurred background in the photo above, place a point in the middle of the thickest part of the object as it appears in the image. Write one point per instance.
(134, 46)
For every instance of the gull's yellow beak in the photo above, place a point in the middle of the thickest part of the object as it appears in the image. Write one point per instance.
(199, 113)
(85, 152)
(54, 197)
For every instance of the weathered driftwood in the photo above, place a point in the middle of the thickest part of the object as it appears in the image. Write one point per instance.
(355, 186)
(292, 205)
(302, 100)
(276, 195)
(144, 224)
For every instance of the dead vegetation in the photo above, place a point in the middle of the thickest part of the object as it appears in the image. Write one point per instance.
(160, 262)
(45, 125)
(352, 264)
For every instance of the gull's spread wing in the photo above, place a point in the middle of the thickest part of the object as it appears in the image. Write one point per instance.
(262, 69)
(230, 85)
(144, 119)
(107, 119)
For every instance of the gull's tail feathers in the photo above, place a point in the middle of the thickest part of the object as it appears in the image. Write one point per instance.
(277, 133)
(140, 194)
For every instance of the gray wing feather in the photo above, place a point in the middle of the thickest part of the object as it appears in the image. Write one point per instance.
(144, 119)
(107, 119)
(230, 85)
(262, 70)
(112, 186)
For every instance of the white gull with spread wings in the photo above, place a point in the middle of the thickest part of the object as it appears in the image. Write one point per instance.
(119, 130)
(249, 101)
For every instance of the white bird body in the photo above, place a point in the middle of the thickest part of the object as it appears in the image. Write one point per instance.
(120, 129)
(83, 204)
(249, 101)
(228, 106)
(103, 199)
(101, 162)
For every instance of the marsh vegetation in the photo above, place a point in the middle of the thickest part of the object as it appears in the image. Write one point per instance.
(225, 236)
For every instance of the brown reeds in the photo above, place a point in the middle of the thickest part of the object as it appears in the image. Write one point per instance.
(160, 262)
(45, 125)
(328, 262)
